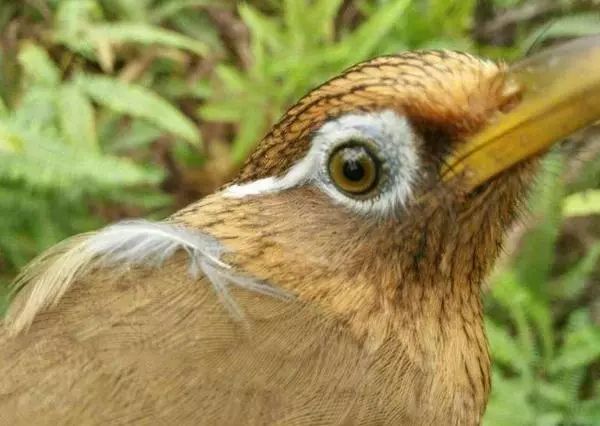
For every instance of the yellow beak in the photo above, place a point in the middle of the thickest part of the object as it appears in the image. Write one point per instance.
(560, 93)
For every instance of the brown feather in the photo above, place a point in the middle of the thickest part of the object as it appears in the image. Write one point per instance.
(385, 326)
(157, 348)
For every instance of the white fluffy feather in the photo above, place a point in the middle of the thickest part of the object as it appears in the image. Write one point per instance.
(126, 244)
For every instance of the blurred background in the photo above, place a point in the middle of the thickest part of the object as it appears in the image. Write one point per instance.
(118, 108)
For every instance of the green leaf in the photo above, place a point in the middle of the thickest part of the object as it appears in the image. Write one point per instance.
(72, 22)
(582, 343)
(576, 25)
(361, 44)
(509, 403)
(139, 134)
(133, 10)
(293, 14)
(588, 412)
(246, 138)
(265, 35)
(36, 109)
(537, 252)
(90, 173)
(196, 24)
(260, 26)
(555, 393)
(76, 116)
(503, 346)
(232, 77)
(167, 9)
(147, 200)
(130, 32)
(9, 141)
(570, 285)
(582, 203)
(588, 175)
(323, 14)
(140, 102)
(38, 66)
(516, 299)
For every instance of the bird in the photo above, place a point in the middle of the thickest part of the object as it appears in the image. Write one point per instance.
(336, 280)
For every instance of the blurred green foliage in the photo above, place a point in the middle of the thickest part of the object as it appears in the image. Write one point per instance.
(544, 342)
(109, 108)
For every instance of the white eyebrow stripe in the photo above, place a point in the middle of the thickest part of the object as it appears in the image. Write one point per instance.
(260, 186)
(388, 129)
(297, 175)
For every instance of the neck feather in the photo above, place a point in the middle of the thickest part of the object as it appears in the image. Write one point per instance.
(414, 280)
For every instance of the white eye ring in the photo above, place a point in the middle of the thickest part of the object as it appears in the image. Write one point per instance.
(395, 141)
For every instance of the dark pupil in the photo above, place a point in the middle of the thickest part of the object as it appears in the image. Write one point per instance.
(353, 170)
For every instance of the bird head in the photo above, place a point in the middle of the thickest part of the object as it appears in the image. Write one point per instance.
(383, 196)
(389, 188)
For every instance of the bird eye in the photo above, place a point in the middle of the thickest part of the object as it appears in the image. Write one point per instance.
(354, 169)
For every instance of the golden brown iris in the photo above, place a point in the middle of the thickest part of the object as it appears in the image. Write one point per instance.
(354, 169)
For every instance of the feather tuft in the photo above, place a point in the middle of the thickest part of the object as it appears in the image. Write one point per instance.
(125, 244)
